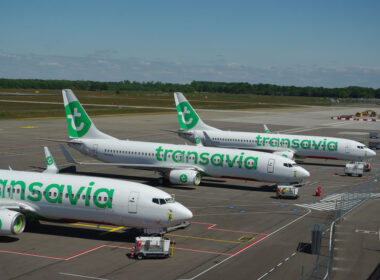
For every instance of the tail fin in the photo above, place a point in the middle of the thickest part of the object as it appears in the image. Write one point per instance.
(50, 163)
(187, 117)
(78, 122)
(266, 129)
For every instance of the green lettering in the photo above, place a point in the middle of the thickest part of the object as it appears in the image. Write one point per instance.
(324, 144)
(37, 193)
(4, 184)
(58, 198)
(103, 204)
(273, 144)
(74, 197)
(305, 144)
(88, 197)
(334, 147)
(287, 141)
(204, 158)
(159, 150)
(181, 157)
(253, 166)
(316, 146)
(229, 162)
(257, 141)
(166, 153)
(241, 159)
(264, 139)
(22, 187)
(295, 143)
(215, 163)
(195, 156)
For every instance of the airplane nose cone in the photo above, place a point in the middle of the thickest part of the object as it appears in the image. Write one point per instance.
(183, 214)
(371, 153)
(303, 173)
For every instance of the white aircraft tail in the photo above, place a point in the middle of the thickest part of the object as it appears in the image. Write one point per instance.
(187, 117)
(50, 163)
(78, 122)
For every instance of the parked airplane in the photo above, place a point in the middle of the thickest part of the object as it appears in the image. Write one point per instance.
(181, 164)
(83, 198)
(196, 131)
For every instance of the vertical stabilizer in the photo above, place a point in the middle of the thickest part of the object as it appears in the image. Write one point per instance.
(79, 123)
(187, 117)
(51, 167)
(266, 129)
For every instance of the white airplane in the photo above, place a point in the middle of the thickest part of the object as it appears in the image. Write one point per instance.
(83, 198)
(195, 130)
(180, 164)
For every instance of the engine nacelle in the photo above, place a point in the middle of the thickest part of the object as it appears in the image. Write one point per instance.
(185, 177)
(288, 154)
(11, 222)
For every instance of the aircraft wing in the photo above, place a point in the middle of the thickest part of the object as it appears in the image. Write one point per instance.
(16, 206)
(151, 167)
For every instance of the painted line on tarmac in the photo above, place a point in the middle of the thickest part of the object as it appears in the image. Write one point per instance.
(248, 246)
(82, 276)
(204, 238)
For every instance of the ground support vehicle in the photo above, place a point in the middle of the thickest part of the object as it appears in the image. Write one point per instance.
(354, 168)
(151, 247)
(287, 191)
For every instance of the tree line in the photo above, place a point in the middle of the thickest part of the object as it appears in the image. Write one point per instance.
(194, 86)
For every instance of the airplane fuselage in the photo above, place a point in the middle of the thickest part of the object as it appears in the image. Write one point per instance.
(214, 162)
(90, 199)
(301, 145)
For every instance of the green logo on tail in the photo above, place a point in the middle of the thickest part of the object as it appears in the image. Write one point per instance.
(49, 160)
(186, 116)
(77, 119)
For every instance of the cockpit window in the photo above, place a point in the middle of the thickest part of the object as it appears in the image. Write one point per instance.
(361, 147)
(162, 201)
(155, 200)
(169, 200)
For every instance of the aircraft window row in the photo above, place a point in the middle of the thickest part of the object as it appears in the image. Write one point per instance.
(249, 141)
(129, 152)
(54, 194)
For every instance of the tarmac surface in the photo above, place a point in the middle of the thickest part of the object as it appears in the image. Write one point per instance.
(239, 230)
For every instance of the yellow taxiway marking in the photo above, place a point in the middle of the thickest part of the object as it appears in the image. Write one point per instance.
(29, 126)
(246, 238)
(110, 229)
(202, 238)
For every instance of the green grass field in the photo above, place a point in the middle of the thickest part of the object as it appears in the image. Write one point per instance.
(22, 109)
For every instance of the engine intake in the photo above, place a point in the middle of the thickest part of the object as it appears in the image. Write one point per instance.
(11, 222)
(185, 177)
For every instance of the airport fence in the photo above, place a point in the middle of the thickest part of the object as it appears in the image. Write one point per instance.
(346, 204)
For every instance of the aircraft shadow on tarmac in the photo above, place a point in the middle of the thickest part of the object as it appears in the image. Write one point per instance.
(127, 235)
(320, 164)
(8, 239)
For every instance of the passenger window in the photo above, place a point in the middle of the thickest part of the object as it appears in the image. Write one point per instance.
(18, 190)
(66, 195)
(105, 199)
(83, 196)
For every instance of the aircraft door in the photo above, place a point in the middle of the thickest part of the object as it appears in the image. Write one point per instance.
(133, 202)
(94, 150)
(271, 165)
(348, 148)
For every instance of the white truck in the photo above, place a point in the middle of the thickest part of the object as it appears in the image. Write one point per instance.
(354, 168)
(151, 247)
(287, 191)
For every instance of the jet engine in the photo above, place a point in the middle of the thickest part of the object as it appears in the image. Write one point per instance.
(11, 222)
(185, 177)
(288, 154)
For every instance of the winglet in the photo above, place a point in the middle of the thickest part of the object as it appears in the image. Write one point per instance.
(51, 166)
(67, 155)
(266, 129)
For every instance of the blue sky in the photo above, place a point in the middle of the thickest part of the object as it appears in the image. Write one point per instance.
(318, 43)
